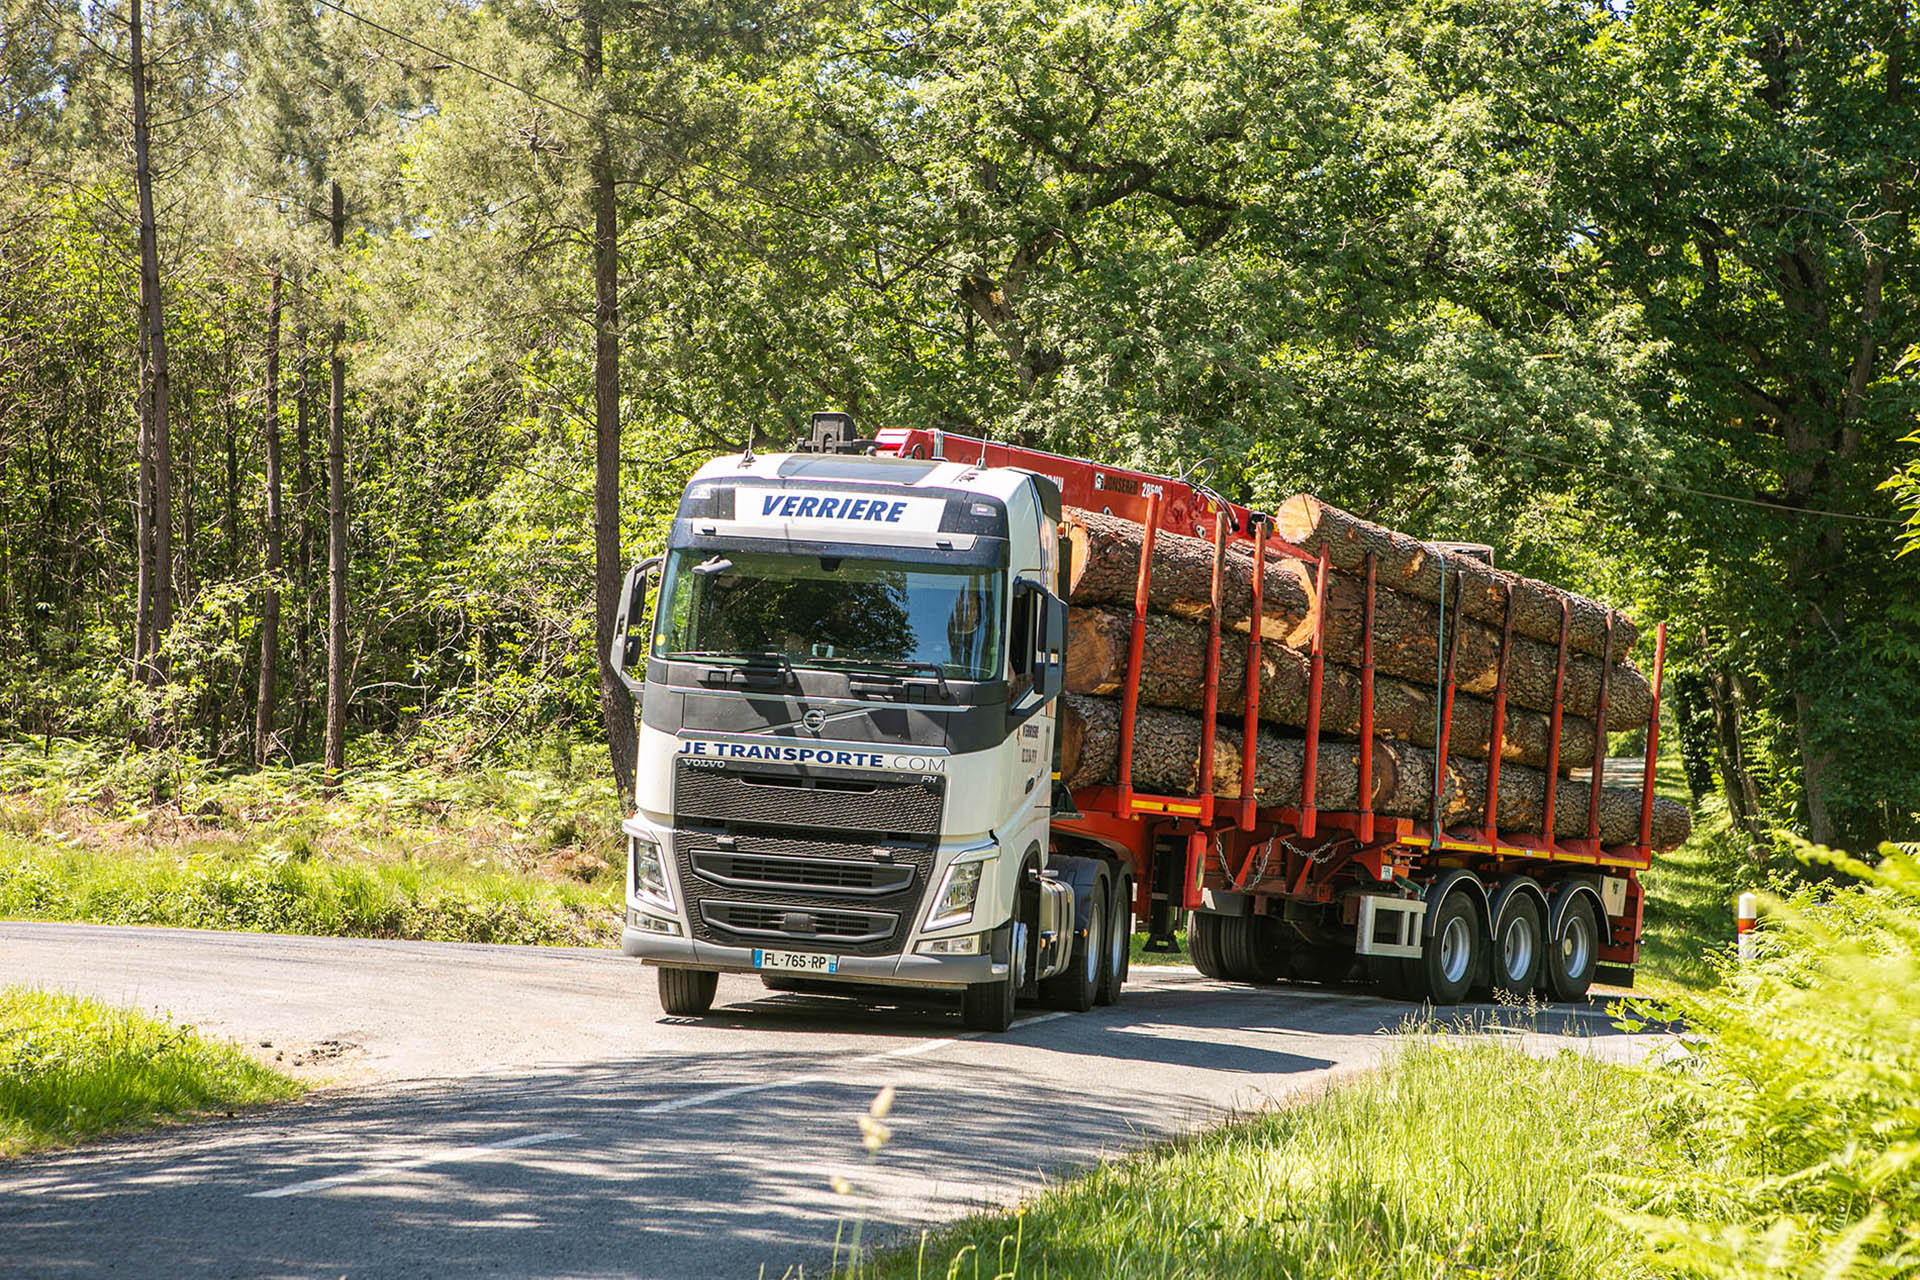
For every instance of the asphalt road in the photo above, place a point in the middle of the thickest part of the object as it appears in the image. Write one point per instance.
(531, 1112)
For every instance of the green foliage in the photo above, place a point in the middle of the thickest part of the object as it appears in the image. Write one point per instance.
(1791, 1120)
(1455, 1160)
(520, 854)
(72, 1069)
(1627, 291)
(1778, 1135)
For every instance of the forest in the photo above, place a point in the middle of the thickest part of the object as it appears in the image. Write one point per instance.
(349, 351)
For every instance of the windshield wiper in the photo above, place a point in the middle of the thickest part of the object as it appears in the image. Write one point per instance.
(902, 664)
(747, 658)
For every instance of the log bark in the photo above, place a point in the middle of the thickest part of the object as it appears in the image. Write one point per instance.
(1175, 656)
(1409, 565)
(1166, 761)
(1104, 555)
(1166, 758)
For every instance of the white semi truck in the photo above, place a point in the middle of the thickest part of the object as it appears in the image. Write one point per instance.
(849, 678)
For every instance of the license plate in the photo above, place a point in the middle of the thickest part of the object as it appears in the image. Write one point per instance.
(798, 961)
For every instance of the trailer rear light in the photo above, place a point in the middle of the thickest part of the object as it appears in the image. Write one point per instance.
(967, 946)
(653, 924)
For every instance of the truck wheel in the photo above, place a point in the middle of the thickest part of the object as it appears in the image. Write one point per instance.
(1451, 959)
(1075, 988)
(1252, 949)
(1203, 944)
(988, 1006)
(1575, 952)
(1519, 947)
(687, 993)
(1389, 974)
(1119, 946)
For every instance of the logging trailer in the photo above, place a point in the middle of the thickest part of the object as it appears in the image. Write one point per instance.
(846, 764)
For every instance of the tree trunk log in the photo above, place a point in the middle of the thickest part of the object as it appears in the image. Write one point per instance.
(335, 748)
(1166, 761)
(1104, 560)
(263, 738)
(1408, 565)
(1175, 656)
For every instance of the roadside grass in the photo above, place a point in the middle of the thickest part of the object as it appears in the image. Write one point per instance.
(520, 855)
(72, 1069)
(1779, 1138)
(1459, 1159)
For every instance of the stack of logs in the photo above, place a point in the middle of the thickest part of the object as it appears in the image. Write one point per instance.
(1407, 655)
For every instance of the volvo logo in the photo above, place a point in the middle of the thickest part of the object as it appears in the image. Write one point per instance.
(815, 720)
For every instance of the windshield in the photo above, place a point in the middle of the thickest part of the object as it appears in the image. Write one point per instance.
(831, 611)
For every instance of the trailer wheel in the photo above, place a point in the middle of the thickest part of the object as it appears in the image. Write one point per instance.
(687, 993)
(1519, 947)
(1451, 960)
(1075, 988)
(1119, 946)
(1252, 949)
(1389, 973)
(1575, 951)
(1203, 944)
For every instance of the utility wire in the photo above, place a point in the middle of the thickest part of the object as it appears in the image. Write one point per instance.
(1671, 487)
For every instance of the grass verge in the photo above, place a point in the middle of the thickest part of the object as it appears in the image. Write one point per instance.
(1459, 1160)
(229, 885)
(72, 1069)
(524, 854)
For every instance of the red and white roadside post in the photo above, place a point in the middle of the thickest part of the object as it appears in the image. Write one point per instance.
(1745, 912)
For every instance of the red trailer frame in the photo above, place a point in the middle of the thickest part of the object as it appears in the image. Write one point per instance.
(1304, 853)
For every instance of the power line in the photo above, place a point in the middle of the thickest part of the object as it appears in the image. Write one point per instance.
(1671, 487)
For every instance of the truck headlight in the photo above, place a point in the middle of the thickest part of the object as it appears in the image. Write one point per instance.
(649, 871)
(958, 892)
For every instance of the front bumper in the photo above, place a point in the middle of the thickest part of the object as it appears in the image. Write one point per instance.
(900, 971)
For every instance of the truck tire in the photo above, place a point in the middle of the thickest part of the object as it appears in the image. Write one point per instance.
(1076, 987)
(988, 1006)
(1389, 974)
(687, 993)
(1203, 944)
(1252, 949)
(1574, 952)
(1454, 950)
(1119, 946)
(1519, 947)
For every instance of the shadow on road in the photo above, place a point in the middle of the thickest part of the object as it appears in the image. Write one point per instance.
(668, 1166)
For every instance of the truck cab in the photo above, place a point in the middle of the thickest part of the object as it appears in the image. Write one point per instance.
(847, 731)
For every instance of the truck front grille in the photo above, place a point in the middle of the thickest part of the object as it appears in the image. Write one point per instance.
(824, 864)
(761, 922)
(755, 871)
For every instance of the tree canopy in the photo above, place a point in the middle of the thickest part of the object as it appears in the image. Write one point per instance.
(1627, 291)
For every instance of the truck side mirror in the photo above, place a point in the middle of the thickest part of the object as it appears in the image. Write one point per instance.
(1040, 639)
(1050, 662)
(629, 640)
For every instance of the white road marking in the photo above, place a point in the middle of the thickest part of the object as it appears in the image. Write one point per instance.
(928, 1046)
(452, 1156)
(715, 1095)
(655, 1109)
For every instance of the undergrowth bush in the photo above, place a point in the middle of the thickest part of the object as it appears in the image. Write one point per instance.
(1791, 1122)
(292, 895)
